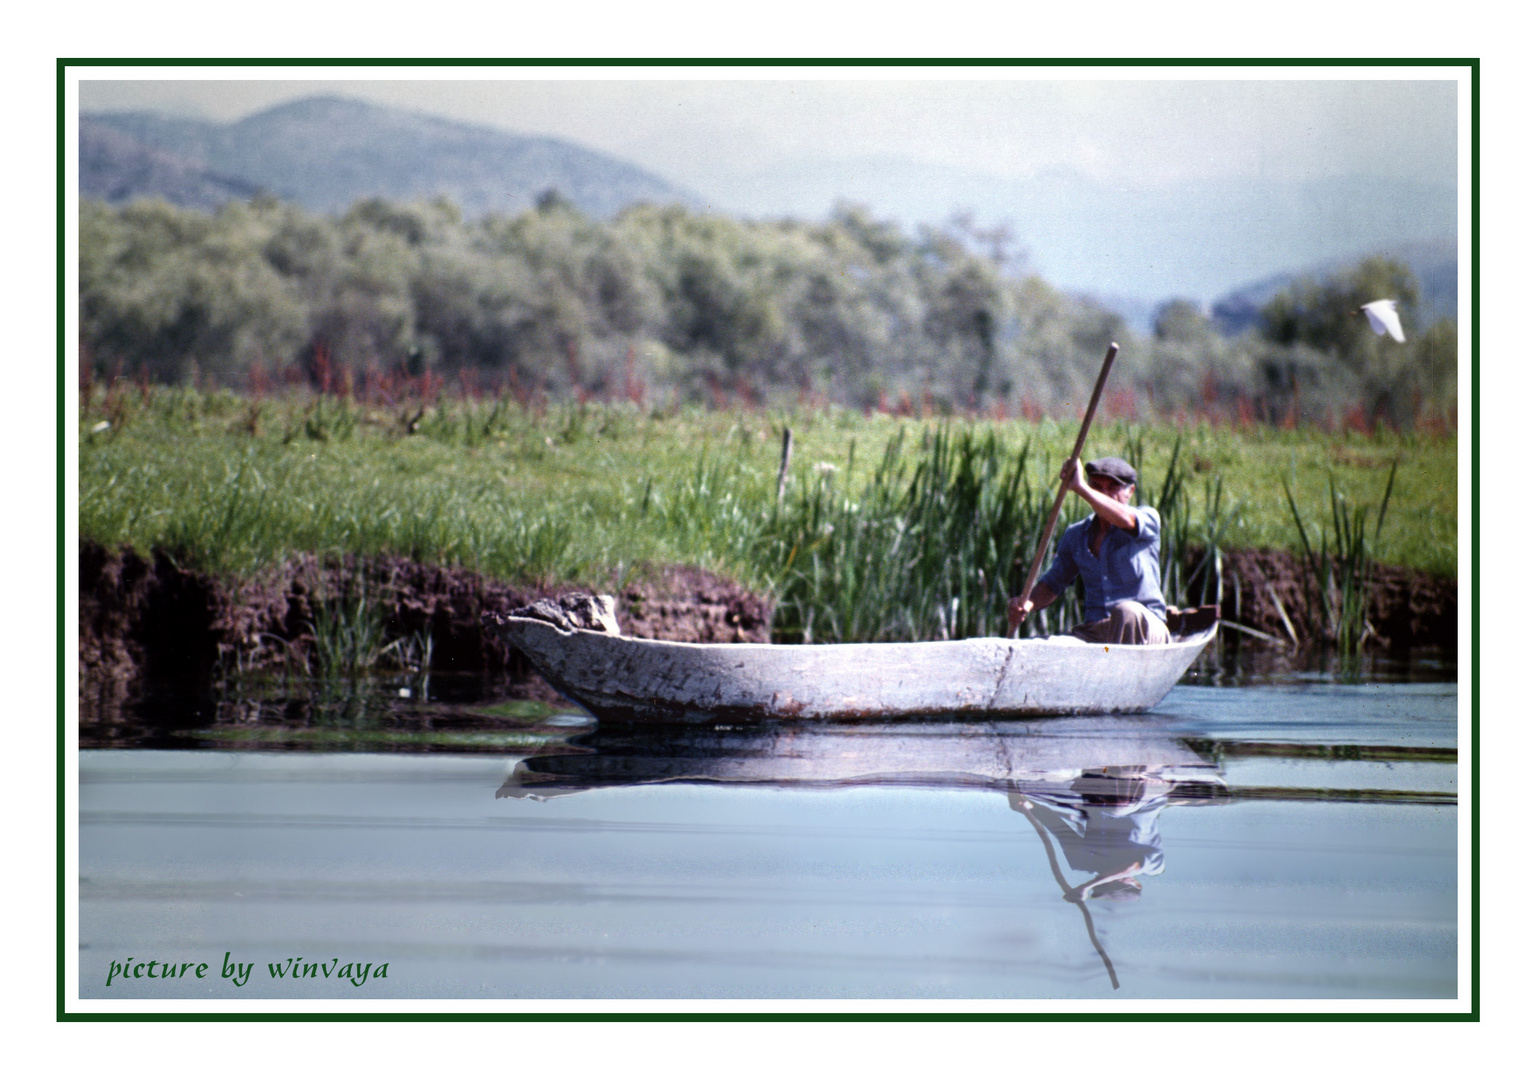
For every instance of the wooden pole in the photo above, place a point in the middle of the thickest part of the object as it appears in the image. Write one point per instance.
(784, 465)
(1056, 507)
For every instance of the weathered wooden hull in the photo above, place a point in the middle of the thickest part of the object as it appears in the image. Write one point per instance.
(635, 678)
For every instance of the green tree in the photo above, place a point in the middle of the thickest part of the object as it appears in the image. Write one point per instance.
(1182, 321)
(1325, 316)
(849, 307)
(176, 293)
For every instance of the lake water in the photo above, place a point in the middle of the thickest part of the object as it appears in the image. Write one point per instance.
(1275, 843)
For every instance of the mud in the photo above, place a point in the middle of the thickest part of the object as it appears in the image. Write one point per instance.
(147, 619)
(1405, 609)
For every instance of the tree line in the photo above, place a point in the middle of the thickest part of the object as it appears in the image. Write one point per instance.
(666, 301)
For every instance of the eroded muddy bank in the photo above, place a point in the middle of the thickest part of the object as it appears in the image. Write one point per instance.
(146, 619)
(1405, 609)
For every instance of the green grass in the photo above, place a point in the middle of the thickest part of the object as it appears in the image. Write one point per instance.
(592, 494)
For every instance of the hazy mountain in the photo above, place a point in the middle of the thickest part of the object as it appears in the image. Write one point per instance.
(326, 152)
(115, 167)
(1123, 237)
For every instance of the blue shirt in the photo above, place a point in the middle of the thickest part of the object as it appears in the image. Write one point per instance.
(1125, 569)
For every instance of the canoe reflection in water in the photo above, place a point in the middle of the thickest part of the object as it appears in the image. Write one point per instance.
(1091, 787)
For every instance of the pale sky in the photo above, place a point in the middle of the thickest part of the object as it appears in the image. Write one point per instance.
(1134, 125)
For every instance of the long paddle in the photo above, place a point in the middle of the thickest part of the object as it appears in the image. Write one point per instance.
(1056, 507)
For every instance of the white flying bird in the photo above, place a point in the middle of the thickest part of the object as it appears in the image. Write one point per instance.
(1383, 315)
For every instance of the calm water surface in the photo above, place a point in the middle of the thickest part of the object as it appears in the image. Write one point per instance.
(1271, 842)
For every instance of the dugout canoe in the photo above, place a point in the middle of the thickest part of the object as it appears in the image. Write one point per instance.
(614, 675)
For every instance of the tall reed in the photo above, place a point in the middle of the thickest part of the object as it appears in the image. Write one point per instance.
(349, 634)
(1340, 565)
(933, 551)
(350, 624)
(935, 548)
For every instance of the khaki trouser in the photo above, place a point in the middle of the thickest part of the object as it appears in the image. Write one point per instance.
(1130, 623)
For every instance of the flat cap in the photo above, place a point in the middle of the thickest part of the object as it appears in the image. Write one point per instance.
(1118, 469)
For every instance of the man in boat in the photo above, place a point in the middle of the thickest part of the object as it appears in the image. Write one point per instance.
(1115, 550)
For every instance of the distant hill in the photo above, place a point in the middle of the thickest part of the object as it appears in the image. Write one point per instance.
(1433, 262)
(115, 168)
(327, 152)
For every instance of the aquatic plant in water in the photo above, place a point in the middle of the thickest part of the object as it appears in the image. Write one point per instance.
(1340, 565)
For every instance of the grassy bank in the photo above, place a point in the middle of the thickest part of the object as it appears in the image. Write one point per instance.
(590, 493)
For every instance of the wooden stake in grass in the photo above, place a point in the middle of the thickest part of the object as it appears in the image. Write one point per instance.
(1056, 507)
(784, 465)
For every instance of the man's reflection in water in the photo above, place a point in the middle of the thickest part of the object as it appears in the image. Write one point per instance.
(1106, 824)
